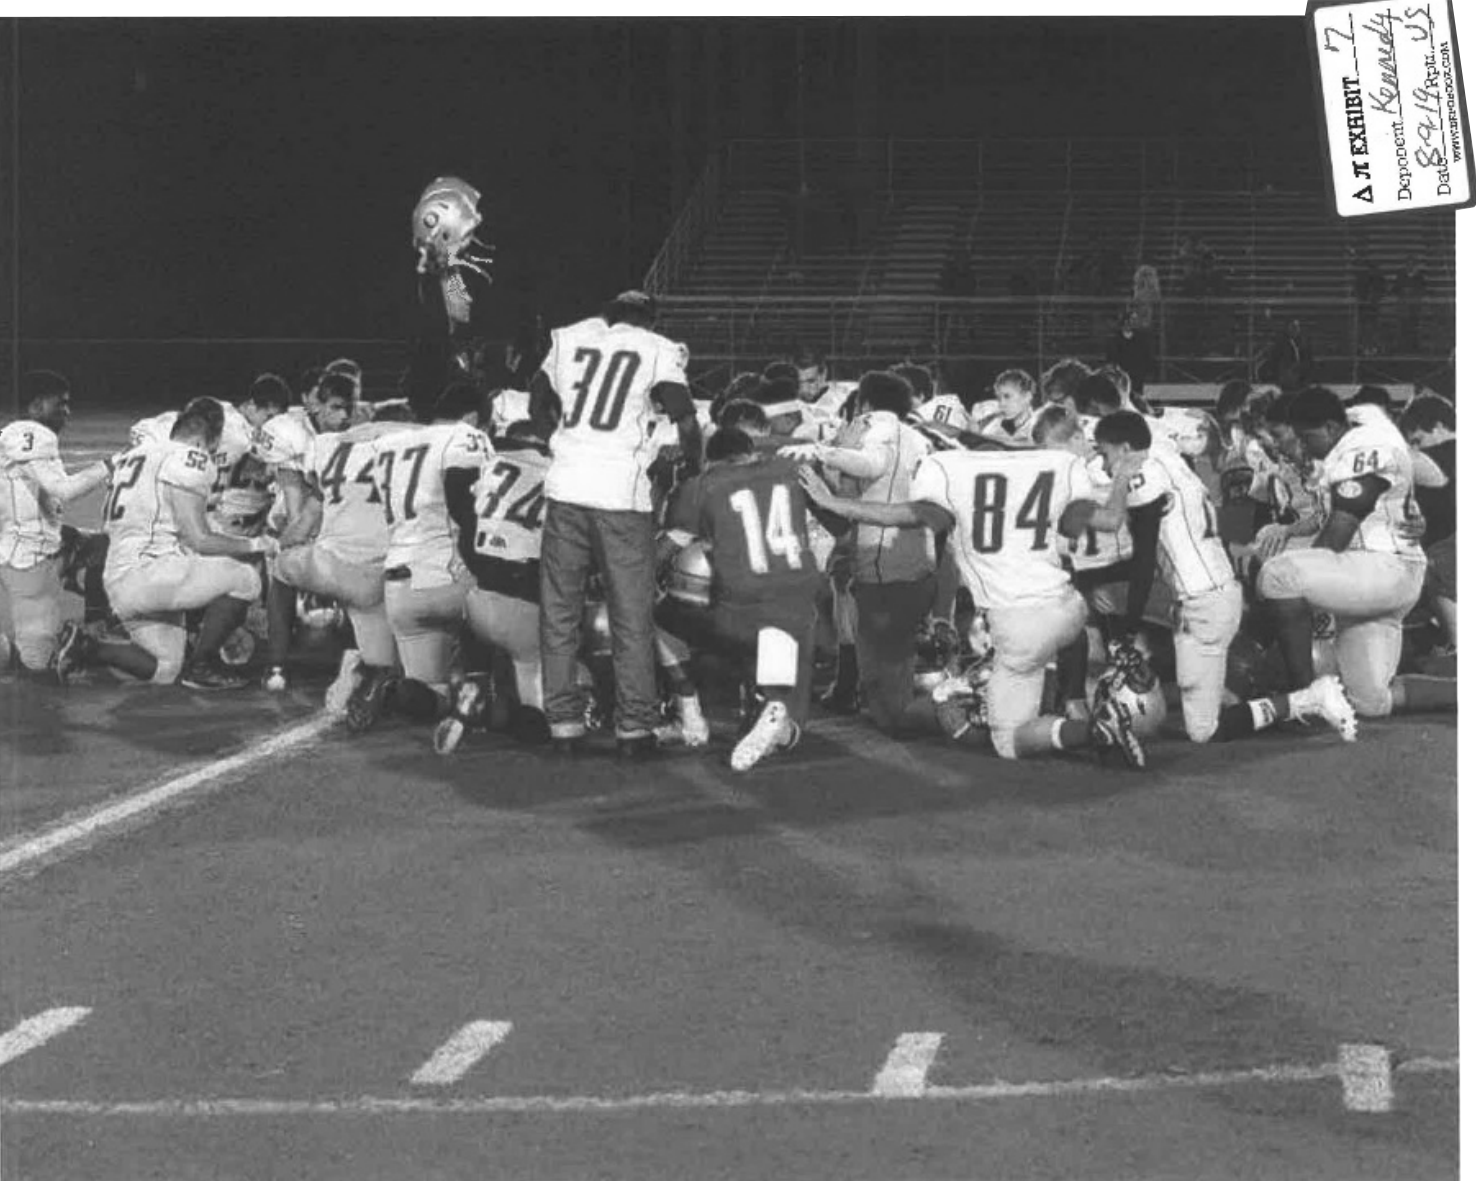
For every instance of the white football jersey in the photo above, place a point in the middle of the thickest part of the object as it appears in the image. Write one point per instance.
(137, 516)
(410, 467)
(1375, 447)
(1191, 557)
(995, 426)
(604, 374)
(1006, 506)
(243, 490)
(946, 410)
(509, 496)
(30, 523)
(343, 471)
(286, 440)
(832, 399)
(508, 407)
(1096, 548)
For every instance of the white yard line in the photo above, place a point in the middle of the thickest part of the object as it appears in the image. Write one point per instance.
(38, 1030)
(29, 850)
(689, 1100)
(463, 1050)
(905, 1072)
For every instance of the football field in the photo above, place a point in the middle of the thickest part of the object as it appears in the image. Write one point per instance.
(240, 943)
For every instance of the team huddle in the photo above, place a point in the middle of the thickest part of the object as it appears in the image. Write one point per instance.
(487, 553)
(1026, 573)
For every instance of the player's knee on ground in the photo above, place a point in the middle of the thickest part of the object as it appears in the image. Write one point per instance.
(35, 613)
(1003, 738)
(165, 642)
(1368, 700)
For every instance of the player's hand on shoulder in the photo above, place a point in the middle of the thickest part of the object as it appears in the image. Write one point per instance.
(816, 488)
(800, 452)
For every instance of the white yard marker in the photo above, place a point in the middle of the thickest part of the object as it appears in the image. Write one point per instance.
(1367, 1075)
(37, 1031)
(463, 1050)
(80, 830)
(905, 1072)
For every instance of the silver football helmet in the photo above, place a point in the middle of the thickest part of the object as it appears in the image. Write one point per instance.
(443, 227)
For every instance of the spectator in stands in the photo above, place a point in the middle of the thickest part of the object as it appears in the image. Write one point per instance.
(1428, 422)
(1131, 350)
(1288, 361)
(1368, 293)
(1147, 302)
(1409, 291)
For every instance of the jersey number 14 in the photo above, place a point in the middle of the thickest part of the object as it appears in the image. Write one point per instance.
(774, 536)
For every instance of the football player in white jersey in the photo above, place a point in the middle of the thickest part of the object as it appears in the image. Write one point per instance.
(336, 547)
(34, 491)
(285, 445)
(1366, 566)
(1174, 519)
(812, 380)
(1002, 510)
(603, 384)
(425, 476)
(242, 493)
(1016, 398)
(500, 535)
(164, 559)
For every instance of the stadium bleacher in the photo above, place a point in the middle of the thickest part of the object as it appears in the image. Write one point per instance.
(1028, 213)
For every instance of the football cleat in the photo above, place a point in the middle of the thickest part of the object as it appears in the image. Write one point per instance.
(336, 698)
(773, 731)
(366, 704)
(467, 703)
(1324, 698)
(1112, 729)
(72, 646)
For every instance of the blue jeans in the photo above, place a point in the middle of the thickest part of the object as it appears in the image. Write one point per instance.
(621, 547)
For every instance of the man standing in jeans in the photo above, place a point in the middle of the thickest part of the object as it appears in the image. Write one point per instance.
(599, 392)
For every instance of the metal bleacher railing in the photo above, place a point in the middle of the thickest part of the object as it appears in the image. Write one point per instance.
(1210, 340)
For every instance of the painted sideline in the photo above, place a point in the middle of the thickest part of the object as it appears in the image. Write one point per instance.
(689, 1100)
(31, 849)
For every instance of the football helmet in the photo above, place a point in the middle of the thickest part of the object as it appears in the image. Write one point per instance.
(690, 580)
(1131, 681)
(318, 612)
(443, 227)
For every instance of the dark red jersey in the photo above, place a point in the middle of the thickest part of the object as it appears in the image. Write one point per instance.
(755, 515)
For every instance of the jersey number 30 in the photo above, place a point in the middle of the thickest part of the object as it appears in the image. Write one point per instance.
(616, 376)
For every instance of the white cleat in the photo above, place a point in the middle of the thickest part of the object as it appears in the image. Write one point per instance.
(336, 698)
(1324, 698)
(773, 731)
(695, 731)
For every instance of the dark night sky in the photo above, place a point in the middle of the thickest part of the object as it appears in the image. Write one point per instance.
(254, 178)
